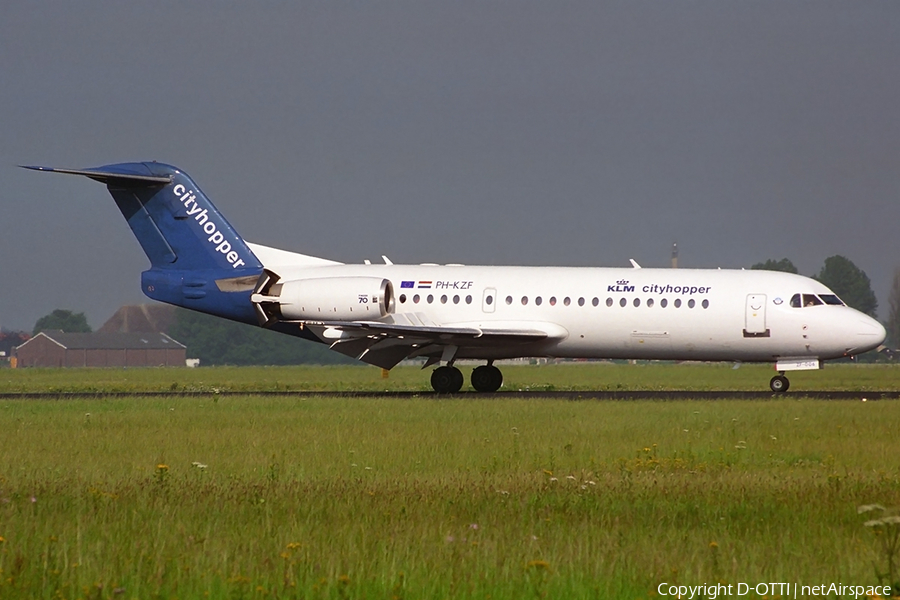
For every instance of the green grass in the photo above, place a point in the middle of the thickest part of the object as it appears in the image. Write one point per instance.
(427, 498)
(566, 376)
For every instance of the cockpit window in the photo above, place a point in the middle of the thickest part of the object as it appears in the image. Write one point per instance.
(798, 301)
(811, 300)
(831, 299)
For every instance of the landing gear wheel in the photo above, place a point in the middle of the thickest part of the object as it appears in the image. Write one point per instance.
(487, 378)
(779, 384)
(446, 380)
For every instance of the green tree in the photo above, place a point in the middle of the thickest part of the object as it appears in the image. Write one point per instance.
(65, 320)
(11, 339)
(217, 341)
(849, 282)
(776, 265)
(893, 321)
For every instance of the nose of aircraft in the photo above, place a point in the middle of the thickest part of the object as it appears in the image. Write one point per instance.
(869, 334)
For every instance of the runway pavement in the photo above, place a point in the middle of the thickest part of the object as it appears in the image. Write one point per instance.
(620, 395)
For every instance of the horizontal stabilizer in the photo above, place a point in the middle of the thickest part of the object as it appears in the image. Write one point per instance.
(105, 176)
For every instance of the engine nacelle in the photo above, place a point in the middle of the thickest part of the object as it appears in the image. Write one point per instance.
(322, 299)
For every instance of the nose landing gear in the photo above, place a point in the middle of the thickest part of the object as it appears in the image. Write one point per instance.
(779, 383)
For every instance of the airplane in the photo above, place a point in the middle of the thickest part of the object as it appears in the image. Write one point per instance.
(382, 314)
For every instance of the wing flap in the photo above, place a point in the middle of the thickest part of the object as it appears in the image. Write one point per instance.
(386, 344)
(430, 332)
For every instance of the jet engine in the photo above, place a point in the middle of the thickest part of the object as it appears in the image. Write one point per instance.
(321, 299)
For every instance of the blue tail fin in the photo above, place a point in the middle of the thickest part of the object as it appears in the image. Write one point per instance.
(174, 222)
(197, 258)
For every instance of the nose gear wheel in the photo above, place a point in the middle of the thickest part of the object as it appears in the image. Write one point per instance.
(779, 384)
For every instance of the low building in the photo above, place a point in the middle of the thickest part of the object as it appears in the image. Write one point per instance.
(59, 349)
(136, 318)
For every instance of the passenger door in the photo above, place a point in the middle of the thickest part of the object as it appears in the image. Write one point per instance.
(755, 316)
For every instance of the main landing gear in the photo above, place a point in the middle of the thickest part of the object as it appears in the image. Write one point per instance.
(779, 383)
(449, 379)
(487, 378)
(446, 380)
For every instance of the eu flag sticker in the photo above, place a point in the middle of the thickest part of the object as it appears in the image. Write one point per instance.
(406, 284)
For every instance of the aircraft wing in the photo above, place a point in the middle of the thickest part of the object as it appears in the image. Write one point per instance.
(386, 344)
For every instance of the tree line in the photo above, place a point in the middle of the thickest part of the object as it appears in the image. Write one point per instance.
(213, 340)
(841, 276)
(217, 341)
(853, 286)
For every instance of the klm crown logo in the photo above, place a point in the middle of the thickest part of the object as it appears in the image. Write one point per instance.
(620, 286)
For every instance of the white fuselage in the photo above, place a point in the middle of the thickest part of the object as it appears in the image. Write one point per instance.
(683, 314)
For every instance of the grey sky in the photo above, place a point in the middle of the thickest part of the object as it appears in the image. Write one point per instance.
(573, 133)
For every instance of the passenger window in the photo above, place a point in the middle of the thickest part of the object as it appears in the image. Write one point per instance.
(609, 301)
(455, 299)
(488, 300)
(552, 300)
(509, 299)
(524, 300)
(402, 298)
(705, 304)
(416, 299)
(538, 300)
(581, 302)
(444, 299)
(623, 302)
(468, 299)
(567, 301)
(691, 303)
(811, 300)
(663, 303)
(677, 302)
(596, 301)
(795, 301)
(649, 302)
(637, 302)
(430, 299)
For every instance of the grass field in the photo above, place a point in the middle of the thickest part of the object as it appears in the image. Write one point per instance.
(565, 376)
(280, 497)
